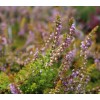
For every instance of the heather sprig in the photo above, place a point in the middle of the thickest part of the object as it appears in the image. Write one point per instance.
(69, 39)
(86, 44)
(57, 32)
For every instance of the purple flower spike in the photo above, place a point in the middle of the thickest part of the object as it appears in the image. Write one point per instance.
(72, 29)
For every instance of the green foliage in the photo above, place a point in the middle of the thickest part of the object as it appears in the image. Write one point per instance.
(40, 76)
(4, 83)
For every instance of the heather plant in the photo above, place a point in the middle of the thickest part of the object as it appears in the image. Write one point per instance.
(53, 57)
